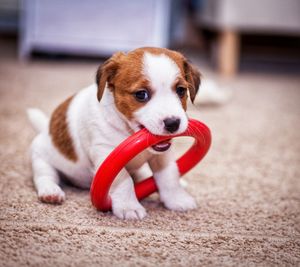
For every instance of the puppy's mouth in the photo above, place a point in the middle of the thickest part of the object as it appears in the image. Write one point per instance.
(161, 146)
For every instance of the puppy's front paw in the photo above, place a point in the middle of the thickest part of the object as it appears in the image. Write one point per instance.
(52, 194)
(178, 200)
(129, 210)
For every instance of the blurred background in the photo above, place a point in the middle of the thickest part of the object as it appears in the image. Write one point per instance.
(228, 36)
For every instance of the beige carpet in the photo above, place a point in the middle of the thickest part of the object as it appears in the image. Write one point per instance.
(247, 188)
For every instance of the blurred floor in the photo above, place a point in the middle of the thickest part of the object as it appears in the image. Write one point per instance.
(247, 187)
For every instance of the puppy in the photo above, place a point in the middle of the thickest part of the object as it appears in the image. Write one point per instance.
(147, 87)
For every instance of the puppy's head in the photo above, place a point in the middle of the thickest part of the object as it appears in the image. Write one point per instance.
(150, 88)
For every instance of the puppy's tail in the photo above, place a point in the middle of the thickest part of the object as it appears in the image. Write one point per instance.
(38, 119)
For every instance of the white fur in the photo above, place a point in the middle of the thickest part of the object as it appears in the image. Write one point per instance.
(97, 128)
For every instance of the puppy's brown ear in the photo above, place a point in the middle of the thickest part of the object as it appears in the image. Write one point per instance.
(106, 73)
(192, 75)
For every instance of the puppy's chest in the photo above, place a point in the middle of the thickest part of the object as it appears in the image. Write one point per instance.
(138, 161)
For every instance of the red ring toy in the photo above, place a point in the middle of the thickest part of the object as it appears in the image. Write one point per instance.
(135, 144)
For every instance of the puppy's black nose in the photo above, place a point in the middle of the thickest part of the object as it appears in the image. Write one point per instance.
(172, 124)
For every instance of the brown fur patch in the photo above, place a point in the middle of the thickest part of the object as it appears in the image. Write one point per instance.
(125, 100)
(180, 82)
(59, 131)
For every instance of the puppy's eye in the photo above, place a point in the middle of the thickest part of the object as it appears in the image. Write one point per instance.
(142, 96)
(180, 91)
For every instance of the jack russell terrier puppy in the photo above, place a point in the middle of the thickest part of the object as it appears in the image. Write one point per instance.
(147, 87)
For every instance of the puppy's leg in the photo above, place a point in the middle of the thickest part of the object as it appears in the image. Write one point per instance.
(166, 176)
(141, 173)
(125, 205)
(46, 181)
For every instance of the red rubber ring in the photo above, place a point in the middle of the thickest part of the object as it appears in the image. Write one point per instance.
(135, 144)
